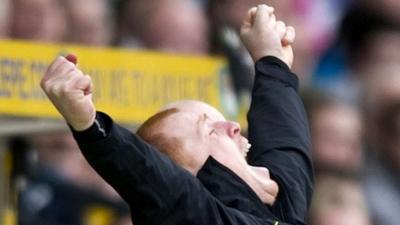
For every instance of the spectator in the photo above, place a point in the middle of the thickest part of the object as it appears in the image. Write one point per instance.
(4, 17)
(381, 179)
(337, 201)
(90, 22)
(381, 89)
(337, 132)
(230, 13)
(385, 7)
(167, 25)
(41, 20)
(65, 190)
(60, 153)
(367, 38)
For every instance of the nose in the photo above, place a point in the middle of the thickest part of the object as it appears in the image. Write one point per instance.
(230, 128)
(233, 128)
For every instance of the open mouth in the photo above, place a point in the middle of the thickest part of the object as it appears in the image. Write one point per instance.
(245, 146)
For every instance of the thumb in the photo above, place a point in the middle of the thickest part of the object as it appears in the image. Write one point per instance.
(72, 58)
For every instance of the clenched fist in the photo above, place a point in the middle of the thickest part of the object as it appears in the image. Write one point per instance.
(70, 91)
(263, 35)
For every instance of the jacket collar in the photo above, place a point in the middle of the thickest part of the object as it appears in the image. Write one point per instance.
(230, 189)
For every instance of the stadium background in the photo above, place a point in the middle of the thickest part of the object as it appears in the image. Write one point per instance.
(143, 54)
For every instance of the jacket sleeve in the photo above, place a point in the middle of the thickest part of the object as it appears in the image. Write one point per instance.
(157, 190)
(279, 134)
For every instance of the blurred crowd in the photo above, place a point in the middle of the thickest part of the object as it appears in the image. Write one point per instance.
(347, 54)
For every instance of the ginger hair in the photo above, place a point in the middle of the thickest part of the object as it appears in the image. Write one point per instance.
(150, 131)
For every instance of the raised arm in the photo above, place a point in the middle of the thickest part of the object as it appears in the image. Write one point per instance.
(278, 129)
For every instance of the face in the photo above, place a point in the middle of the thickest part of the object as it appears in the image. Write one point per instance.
(338, 201)
(89, 22)
(390, 146)
(185, 32)
(205, 132)
(4, 17)
(46, 20)
(337, 138)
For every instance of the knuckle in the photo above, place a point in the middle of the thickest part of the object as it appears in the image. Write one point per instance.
(44, 84)
(58, 60)
(275, 187)
(54, 90)
(81, 73)
(67, 67)
(88, 78)
(59, 89)
(262, 6)
(64, 89)
(266, 172)
(72, 74)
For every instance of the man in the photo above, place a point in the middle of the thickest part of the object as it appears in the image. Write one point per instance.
(225, 190)
(159, 26)
(46, 18)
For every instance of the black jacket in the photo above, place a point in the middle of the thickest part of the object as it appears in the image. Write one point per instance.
(160, 192)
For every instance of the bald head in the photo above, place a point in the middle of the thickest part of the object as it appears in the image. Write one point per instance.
(182, 131)
(197, 107)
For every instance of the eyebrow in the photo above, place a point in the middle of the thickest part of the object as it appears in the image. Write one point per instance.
(202, 119)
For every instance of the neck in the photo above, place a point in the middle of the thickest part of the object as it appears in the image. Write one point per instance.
(227, 186)
(256, 177)
(259, 180)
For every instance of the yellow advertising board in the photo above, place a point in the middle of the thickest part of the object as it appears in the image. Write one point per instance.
(129, 85)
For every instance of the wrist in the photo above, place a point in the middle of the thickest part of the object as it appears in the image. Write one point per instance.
(261, 54)
(83, 125)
